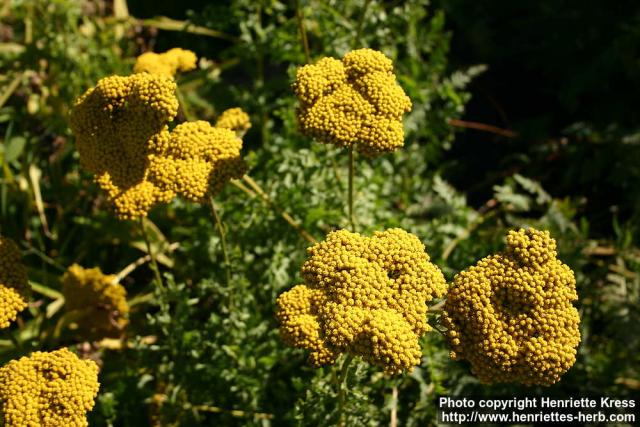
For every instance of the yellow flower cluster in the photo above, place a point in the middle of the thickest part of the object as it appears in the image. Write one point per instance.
(234, 119)
(48, 390)
(197, 160)
(363, 296)
(99, 303)
(353, 101)
(168, 63)
(13, 282)
(122, 134)
(511, 315)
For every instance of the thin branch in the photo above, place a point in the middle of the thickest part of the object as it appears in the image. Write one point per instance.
(168, 24)
(483, 127)
(154, 264)
(356, 39)
(303, 32)
(233, 412)
(394, 406)
(140, 261)
(352, 167)
(342, 388)
(269, 201)
(223, 239)
(13, 85)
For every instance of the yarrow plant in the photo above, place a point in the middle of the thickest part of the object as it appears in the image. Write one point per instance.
(97, 301)
(168, 63)
(352, 102)
(13, 282)
(366, 296)
(368, 300)
(123, 138)
(48, 390)
(511, 315)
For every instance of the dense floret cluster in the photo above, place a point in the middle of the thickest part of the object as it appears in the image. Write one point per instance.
(234, 119)
(115, 125)
(99, 304)
(511, 315)
(48, 390)
(122, 134)
(363, 296)
(197, 160)
(168, 63)
(356, 101)
(13, 282)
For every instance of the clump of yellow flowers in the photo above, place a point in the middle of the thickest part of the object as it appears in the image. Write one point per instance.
(356, 101)
(234, 119)
(366, 296)
(13, 282)
(48, 390)
(168, 63)
(122, 134)
(511, 315)
(98, 301)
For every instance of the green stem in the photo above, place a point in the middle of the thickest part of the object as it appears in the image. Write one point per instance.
(223, 239)
(303, 32)
(394, 407)
(356, 39)
(342, 388)
(186, 109)
(255, 187)
(16, 342)
(352, 167)
(154, 263)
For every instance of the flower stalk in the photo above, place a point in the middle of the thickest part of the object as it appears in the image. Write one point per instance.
(223, 239)
(152, 256)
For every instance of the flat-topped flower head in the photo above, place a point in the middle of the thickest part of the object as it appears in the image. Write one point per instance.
(511, 315)
(13, 282)
(168, 63)
(366, 296)
(116, 124)
(48, 390)
(356, 101)
(99, 304)
(122, 134)
(234, 119)
(198, 160)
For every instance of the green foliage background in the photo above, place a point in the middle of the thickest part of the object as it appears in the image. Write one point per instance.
(206, 351)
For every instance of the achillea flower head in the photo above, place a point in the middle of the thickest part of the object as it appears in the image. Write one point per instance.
(115, 124)
(122, 134)
(511, 315)
(168, 63)
(13, 282)
(234, 119)
(99, 303)
(48, 390)
(198, 160)
(365, 296)
(356, 101)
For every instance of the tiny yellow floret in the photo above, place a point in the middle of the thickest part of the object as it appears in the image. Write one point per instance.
(356, 101)
(99, 304)
(168, 63)
(511, 315)
(366, 296)
(13, 282)
(48, 390)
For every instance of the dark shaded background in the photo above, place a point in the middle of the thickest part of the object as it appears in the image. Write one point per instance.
(564, 75)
